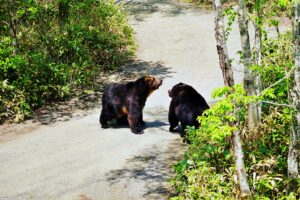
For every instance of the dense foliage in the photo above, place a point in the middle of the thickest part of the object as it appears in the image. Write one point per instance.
(208, 169)
(50, 49)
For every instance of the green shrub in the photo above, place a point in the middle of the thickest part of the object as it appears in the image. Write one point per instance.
(208, 166)
(62, 47)
(207, 171)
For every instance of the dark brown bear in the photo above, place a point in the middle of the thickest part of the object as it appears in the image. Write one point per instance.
(125, 102)
(186, 105)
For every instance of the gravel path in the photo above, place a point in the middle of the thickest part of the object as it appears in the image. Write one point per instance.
(73, 158)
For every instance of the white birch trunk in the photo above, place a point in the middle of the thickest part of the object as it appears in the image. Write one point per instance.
(257, 60)
(293, 171)
(240, 167)
(221, 45)
(249, 82)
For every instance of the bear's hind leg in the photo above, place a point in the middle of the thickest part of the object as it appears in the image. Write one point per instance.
(183, 132)
(183, 127)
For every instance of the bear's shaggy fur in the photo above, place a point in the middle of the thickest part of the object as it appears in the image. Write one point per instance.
(125, 102)
(186, 105)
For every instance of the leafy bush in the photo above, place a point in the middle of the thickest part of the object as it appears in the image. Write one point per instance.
(60, 48)
(209, 161)
(277, 61)
(208, 166)
(207, 171)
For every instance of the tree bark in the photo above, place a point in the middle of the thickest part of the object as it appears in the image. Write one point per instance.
(249, 82)
(294, 146)
(257, 45)
(257, 57)
(221, 45)
(12, 26)
(240, 167)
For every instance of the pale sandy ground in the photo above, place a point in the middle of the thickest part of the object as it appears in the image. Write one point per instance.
(73, 158)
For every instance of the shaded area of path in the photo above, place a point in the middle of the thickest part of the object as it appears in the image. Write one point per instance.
(151, 168)
(142, 9)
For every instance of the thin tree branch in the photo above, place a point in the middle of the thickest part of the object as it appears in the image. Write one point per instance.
(5, 22)
(277, 82)
(278, 104)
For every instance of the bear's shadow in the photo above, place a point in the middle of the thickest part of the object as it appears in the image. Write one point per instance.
(152, 124)
(155, 124)
(163, 126)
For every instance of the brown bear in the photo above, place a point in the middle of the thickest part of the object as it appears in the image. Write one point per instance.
(186, 105)
(125, 102)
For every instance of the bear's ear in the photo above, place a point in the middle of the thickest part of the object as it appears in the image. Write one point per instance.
(177, 90)
(148, 78)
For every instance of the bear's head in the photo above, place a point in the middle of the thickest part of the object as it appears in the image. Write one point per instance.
(151, 82)
(177, 90)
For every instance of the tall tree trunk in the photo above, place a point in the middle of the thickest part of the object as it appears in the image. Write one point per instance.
(229, 81)
(240, 167)
(257, 56)
(249, 82)
(257, 45)
(294, 146)
(221, 45)
(12, 26)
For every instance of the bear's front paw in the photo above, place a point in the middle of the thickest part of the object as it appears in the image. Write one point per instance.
(137, 131)
(171, 129)
(104, 126)
(186, 140)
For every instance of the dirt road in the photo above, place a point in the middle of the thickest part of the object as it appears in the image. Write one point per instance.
(71, 157)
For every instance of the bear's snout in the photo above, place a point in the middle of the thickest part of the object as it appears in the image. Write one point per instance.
(157, 83)
(160, 81)
(169, 91)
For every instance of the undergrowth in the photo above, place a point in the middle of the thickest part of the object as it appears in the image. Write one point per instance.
(208, 170)
(62, 45)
